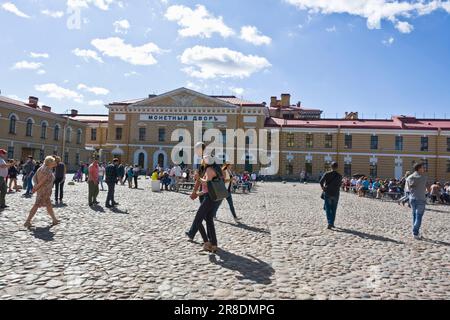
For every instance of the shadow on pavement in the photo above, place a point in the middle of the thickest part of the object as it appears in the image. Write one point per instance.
(245, 227)
(441, 243)
(119, 211)
(97, 208)
(44, 234)
(253, 269)
(368, 236)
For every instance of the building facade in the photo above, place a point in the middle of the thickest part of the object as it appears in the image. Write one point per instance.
(29, 129)
(140, 132)
(374, 148)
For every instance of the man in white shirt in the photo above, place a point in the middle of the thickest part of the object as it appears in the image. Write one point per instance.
(3, 174)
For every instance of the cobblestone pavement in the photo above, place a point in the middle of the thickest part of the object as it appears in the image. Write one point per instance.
(281, 250)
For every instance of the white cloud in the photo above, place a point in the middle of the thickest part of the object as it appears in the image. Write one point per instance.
(96, 103)
(198, 22)
(39, 55)
(237, 91)
(41, 72)
(53, 14)
(331, 29)
(11, 7)
(116, 47)
(374, 11)
(129, 74)
(252, 35)
(404, 27)
(87, 55)
(26, 65)
(388, 42)
(94, 90)
(207, 63)
(122, 26)
(56, 92)
(84, 4)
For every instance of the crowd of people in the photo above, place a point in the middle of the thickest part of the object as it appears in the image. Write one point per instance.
(396, 189)
(413, 186)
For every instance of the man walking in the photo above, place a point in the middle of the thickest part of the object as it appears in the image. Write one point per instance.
(60, 178)
(111, 178)
(93, 183)
(136, 172)
(3, 174)
(417, 186)
(28, 173)
(331, 185)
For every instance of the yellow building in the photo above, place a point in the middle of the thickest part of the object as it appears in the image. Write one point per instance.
(140, 131)
(29, 129)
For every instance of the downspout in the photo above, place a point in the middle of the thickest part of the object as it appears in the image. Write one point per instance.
(437, 154)
(128, 135)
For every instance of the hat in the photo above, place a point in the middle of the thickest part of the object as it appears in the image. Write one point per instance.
(3, 151)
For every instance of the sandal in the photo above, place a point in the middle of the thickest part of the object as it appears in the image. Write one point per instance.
(56, 222)
(27, 225)
(207, 246)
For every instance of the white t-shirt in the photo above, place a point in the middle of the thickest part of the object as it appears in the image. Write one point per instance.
(101, 171)
(3, 171)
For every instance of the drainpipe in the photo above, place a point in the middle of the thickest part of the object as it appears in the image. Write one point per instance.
(128, 135)
(337, 143)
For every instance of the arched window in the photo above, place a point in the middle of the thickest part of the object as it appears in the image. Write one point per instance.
(79, 132)
(44, 126)
(56, 133)
(29, 131)
(12, 124)
(68, 134)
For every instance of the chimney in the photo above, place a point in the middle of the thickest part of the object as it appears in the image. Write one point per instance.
(273, 102)
(285, 100)
(47, 108)
(299, 104)
(73, 113)
(33, 101)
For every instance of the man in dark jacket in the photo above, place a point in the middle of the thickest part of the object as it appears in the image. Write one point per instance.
(331, 185)
(111, 176)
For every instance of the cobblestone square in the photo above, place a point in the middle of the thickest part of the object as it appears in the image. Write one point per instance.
(281, 249)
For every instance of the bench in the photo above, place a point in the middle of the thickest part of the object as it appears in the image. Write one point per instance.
(184, 186)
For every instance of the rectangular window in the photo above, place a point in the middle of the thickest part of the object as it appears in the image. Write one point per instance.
(424, 144)
(328, 141)
(448, 166)
(94, 134)
(348, 141)
(373, 172)
(142, 134)
(290, 139)
(448, 144)
(308, 168)
(224, 137)
(41, 155)
(119, 133)
(162, 134)
(66, 158)
(348, 169)
(309, 141)
(10, 152)
(289, 169)
(398, 143)
(374, 142)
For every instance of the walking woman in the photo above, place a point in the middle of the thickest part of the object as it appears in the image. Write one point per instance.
(208, 208)
(43, 186)
(228, 177)
(13, 172)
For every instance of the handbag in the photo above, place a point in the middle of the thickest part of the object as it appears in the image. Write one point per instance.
(217, 189)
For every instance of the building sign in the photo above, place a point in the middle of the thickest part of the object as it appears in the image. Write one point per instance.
(182, 118)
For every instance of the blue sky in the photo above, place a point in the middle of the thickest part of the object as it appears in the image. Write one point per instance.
(378, 57)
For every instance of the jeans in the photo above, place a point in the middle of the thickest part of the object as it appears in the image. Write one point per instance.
(135, 181)
(29, 183)
(230, 203)
(59, 189)
(207, 210)
(2, 191)
(93, 192)
(405, 198)
(330, 207)
(418, 210)
(110, 197)
(100, 181)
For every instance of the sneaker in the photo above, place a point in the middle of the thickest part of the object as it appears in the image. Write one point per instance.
(108, 206)
(417, 237)
(115, 204)
(207, 246)
(330, 227)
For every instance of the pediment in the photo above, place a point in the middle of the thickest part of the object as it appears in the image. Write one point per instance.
(183, 97)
